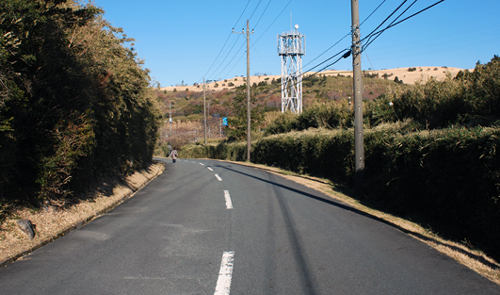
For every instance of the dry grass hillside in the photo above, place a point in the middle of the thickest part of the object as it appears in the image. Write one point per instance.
(409, 75)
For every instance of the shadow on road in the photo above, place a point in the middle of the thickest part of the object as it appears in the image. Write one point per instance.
(327, 200)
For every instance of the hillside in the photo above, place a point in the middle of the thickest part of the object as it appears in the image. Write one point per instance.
(408, 75)
(186, 102)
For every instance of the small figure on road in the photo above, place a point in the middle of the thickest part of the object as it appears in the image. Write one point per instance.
(173, 155)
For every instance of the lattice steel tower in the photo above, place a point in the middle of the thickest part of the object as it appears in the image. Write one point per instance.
(291, 48)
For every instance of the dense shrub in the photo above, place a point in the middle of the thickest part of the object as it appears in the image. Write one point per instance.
(74, 101)
(469, 99)
(331, 115)
(447, 178)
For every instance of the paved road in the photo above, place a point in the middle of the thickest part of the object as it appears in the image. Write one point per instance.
(209, 227)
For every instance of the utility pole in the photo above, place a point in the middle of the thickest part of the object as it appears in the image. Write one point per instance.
(359, 153)
(170, 120)
(204, 113)
(249, 136)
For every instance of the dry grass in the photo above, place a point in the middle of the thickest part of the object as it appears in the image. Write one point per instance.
(422, 74)
(467, 256)
(52, 223)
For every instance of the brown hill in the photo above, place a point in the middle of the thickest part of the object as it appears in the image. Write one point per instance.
(409, 75)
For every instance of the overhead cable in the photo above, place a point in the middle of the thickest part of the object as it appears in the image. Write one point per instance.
(265, 9)
(394, 23)
(347, 35)
(223, 46)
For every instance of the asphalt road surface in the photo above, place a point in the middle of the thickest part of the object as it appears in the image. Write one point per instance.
(210, 227)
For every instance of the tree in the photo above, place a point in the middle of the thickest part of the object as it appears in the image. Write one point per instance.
(73, 100)
(237, 125)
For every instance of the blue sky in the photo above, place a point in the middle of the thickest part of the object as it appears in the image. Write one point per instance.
(181, 40)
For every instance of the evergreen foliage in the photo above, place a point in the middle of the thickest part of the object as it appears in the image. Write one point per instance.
(469, 99)
(237, 125)
(74, 101)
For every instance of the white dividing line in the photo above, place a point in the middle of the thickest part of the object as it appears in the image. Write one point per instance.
(210, 169)
(223, 286)
(201, 164)
(218, 177)
(229, 203)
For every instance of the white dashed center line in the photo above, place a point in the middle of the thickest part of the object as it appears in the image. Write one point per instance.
(210, 169)
(218, 177)
(229, 203)
(201, 164)
(223, 286)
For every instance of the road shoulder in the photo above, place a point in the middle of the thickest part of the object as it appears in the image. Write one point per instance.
(52, 223)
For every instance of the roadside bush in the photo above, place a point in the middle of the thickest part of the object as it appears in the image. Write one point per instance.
(469, 99)
(331, 115)
(447, 178)
(74, 101)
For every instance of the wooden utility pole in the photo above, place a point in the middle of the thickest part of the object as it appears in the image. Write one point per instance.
(249, 135)
(170, 120)
(359, 153)
(204, 113)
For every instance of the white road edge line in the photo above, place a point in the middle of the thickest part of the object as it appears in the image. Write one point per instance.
(210, 169)
(223, 286)
(229, 203)
(218, 177)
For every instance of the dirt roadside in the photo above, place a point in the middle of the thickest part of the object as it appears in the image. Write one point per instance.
(52, 223)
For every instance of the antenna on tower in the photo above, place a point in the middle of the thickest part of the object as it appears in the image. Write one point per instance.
(291, 48)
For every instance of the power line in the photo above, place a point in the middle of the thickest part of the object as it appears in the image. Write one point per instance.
(234, 56)
(265, 31)
(347, 35)
(346, 52)
(386, 19)
(265, 9)
(229, 52)
(369, 36)
(255, 10)
(372, 13)
(375, 33)
(253, 43)
(242, 13)
(227, 55)
(394, 23)
(223, 46)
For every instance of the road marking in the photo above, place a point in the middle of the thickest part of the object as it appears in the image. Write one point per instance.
(210, 169)
(201, 164)
(229, 203)
(218, 177)
(223, 286)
